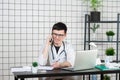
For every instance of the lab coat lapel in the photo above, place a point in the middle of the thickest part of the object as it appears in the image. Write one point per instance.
(56, 55)
(60, 49)
(54, 51)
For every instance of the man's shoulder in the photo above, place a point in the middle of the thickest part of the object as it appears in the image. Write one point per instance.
(67, 43)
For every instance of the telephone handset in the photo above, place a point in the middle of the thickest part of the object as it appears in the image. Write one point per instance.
(51, 40)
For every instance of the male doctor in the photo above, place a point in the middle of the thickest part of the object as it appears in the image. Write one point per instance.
(56, 51)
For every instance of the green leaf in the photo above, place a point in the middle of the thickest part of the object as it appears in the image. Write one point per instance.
(94, 27)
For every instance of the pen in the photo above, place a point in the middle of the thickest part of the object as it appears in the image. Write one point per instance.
(56, 60)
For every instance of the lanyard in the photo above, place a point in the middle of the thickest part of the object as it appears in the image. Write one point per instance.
(63, 51)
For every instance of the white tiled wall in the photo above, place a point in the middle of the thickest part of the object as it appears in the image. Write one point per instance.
(25, 24)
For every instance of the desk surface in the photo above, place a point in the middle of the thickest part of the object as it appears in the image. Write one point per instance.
(61, 72)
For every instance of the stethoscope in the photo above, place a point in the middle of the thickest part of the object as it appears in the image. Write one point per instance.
(63, 51)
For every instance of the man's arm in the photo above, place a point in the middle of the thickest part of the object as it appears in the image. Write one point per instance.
(61, 65)
(44, 52)
(46, 48)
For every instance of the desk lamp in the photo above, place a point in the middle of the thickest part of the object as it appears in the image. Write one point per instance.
(95, 47)
(94, 77)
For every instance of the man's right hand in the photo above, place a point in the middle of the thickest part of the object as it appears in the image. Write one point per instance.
(49, 40)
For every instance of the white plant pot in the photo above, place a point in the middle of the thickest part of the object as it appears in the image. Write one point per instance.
(34, 69)
(108, 59)
(93, 36)
(110, 38)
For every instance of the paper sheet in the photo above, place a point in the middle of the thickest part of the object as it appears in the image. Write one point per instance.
(21, 69)
(28, 68)
(45, 67)
(114, 65)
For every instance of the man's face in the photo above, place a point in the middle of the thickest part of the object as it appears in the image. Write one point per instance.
(58, 36)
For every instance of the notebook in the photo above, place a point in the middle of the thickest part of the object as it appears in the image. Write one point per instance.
(84, 60)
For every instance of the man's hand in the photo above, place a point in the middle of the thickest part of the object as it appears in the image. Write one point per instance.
(46, 48)
(61, 65)
(49, 40)
(56, 65)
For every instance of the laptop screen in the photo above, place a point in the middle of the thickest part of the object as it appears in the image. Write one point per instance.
(85, 59)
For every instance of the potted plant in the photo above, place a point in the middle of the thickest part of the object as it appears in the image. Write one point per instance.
(106, 77)
(94, 28)
(94, 14)
(34, 67)
(109, 53)
(110, 35)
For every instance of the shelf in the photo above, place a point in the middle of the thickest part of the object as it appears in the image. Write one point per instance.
(104, 22)
(87, 36)
(103, 41)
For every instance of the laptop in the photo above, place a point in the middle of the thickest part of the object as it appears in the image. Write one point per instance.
(84, 60)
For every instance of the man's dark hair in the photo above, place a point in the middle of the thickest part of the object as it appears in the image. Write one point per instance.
(59, 26)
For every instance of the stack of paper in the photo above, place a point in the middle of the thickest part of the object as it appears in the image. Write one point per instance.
(21, 69)
(28, 68)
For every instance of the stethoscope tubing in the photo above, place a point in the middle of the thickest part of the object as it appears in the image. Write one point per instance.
(60, 52)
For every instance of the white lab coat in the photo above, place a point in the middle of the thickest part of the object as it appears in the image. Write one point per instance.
(60, 56)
